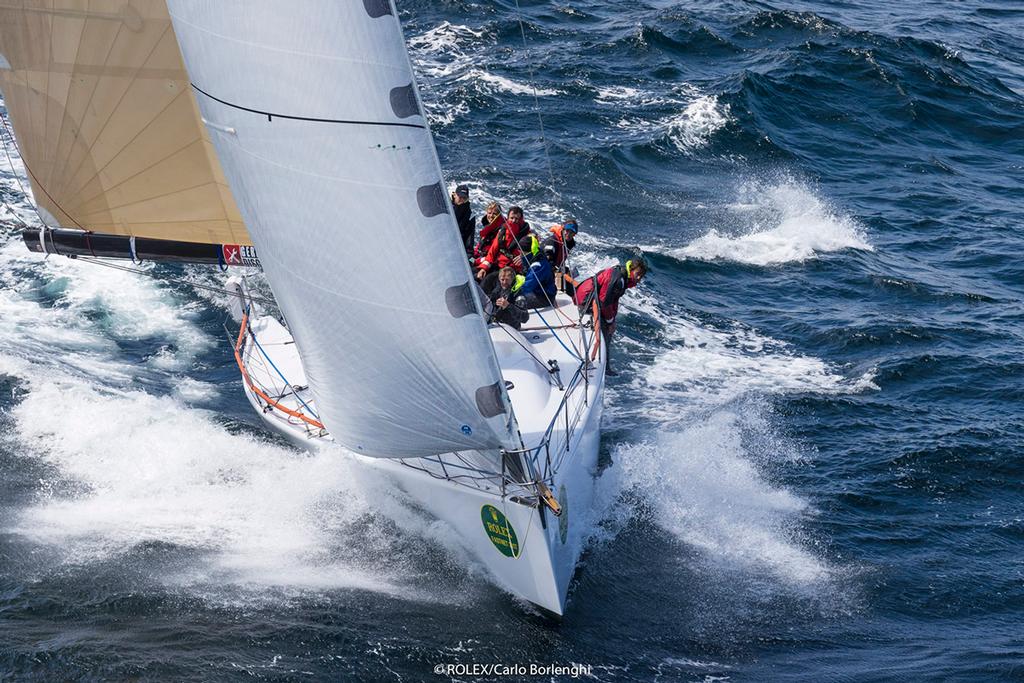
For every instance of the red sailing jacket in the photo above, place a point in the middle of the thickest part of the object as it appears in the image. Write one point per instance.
(612, 283)
(487, 234)
(505, 247)
(502, 252)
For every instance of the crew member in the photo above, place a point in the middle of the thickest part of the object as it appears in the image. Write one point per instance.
(561, 241)
(539, 283)
(508, 246)
(490, 224)
(608, 286)
(506, 304)
(464, 217)
(517, 224)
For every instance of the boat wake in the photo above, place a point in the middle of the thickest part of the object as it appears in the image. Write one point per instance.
(701, 485)
(134, 458)
(700, 456)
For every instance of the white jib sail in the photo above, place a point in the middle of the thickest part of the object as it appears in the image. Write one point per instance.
(315, 115)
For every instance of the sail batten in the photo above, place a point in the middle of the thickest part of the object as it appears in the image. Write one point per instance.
(328, 146)
(106, 122)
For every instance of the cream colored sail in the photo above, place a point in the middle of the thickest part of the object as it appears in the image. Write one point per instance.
(106, 122)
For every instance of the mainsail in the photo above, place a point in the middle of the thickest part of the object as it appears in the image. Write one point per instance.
(107, 124)
(317, 121)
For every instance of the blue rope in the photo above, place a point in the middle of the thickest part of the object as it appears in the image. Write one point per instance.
(283, 378)
(557, 338)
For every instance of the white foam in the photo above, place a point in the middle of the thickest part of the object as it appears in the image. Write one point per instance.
(188, 390)
(778, 223)
(444, 52)
(697, 118)
(444, 39)
(449, 52)
(701, 119)
(708, 366)
(496, 83)
(700, 470)
(619, 93)
(698, 484)
(96, 307)
(154, 471)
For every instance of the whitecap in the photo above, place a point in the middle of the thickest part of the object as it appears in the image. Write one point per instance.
(701, 119)
(496, 83)
(692, 127)
(778, 223)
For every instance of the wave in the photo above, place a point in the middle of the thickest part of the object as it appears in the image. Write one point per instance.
(495, 83)
(702, 118)
(700, 485)
(145, 469)
(695, 118)
(65, 316)
(778, 223)
(453, 57)
(700, 469)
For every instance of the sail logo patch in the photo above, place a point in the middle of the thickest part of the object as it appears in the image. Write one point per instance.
(500, 531)
(240, 255)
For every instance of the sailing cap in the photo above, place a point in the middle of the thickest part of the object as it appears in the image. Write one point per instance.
(570, 225)
(462, 191)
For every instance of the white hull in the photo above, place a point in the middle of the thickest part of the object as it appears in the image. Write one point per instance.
(540, 562)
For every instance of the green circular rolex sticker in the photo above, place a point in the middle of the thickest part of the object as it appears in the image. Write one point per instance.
(563, 521)
(498, 529)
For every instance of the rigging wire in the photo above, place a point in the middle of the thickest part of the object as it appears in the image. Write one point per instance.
(39, 185)
(14, 172)
(543, 135)
(536, 103)
(164, 278)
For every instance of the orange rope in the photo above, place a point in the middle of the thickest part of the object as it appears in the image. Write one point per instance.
(256, 390)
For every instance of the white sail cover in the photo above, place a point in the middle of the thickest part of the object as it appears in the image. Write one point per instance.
(315, 116)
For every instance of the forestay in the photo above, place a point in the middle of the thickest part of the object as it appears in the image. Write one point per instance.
(316, 118)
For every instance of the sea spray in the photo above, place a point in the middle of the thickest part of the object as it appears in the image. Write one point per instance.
(697, 483)
(776, 223)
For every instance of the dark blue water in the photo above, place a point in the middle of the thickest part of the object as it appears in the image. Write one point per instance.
(817, 439)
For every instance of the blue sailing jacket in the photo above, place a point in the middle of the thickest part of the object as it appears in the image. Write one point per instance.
(539, 278)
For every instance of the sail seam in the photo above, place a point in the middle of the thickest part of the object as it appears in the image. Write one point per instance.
(271, 115)
(120, 99)
(128, 144)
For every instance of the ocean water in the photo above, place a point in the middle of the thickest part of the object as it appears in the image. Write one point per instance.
(816, 440)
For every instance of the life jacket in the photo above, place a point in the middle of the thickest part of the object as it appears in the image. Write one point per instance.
(532, 245)
(559, 232)
(562, 241)
(504, 249)
(487, 235)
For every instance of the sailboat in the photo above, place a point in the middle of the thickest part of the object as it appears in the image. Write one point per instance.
(291, 137)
